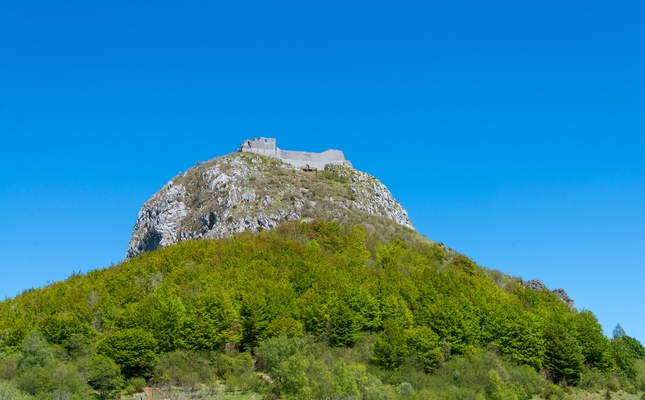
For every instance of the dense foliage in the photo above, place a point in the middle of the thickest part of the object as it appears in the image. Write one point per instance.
(308, 310)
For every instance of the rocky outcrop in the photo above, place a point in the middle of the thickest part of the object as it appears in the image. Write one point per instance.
(565, 297)
(247, 191)
(536, 284)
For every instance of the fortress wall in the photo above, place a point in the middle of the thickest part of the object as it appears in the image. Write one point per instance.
(315, 160)
(267, 147)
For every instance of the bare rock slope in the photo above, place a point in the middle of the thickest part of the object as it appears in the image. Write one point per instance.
(247, 191)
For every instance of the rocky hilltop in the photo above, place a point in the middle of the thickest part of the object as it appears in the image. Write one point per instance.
(248, 191)
(257, 189)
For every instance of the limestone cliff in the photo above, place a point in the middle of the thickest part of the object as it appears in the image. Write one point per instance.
(536, 284)
(248, 191)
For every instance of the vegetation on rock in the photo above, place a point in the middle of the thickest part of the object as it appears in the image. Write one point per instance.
(307, 310)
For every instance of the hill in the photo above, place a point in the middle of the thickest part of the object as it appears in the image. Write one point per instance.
(247, 276)
(249, 191)
(264, 312)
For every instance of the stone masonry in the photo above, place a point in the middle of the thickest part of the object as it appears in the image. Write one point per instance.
(299, 159)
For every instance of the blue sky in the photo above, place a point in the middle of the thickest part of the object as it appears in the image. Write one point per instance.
(511, 131)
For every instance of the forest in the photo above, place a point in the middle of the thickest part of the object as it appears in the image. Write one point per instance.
(314, 310)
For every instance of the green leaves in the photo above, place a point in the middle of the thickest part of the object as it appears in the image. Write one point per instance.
(514, 332)
(283, 326)
(35, 352)
(133, 350)
(625, 351)
(59, 328)
(395, 343)
(453, 318)
(564, 357)
(211, 322)
(595, 346)
(390, 348)
(104, 375)
(164, 316)
(321, 281)
(345, 325)
(425, 344)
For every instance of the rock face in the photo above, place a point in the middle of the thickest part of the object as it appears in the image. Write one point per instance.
(565, 297)
(536, 284)
(248, 191)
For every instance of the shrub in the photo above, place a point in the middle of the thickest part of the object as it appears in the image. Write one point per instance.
(9, 392)
(497, 389)
(104, 375)
(8, 367)
(345, 385)
(390, 348)
(35, 352)
(271, 353)
(182, 368)
(135, 385)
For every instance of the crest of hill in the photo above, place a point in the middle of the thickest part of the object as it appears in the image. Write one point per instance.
(261, 187)
(250, 191)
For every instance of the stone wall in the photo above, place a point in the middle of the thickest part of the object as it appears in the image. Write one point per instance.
(262, 145)
(267, 147)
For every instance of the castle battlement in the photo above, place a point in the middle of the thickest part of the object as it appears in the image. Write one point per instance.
(300, 159)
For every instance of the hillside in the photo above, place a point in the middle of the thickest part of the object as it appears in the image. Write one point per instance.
(264, 312)
(247, 276)
(248, 191)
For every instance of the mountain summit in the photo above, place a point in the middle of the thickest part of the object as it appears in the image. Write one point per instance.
(259, 187)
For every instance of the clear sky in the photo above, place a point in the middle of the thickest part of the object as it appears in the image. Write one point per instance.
(512, 131)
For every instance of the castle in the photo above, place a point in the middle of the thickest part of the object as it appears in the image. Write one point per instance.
(301, 159)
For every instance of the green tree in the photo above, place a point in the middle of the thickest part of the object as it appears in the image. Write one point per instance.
(390, 348)
(463, 264)
(133, 350)
(271, 353)
(5, 348)
(264, 301)
(59, 328)
(454, 318)
(9, 392)
(255, 317)
(366, 308)
(515, 333)
(104, 375)
(212, 321)
(395, 309)
(294, 377)
(283, 326)
(164, 315)
(425, 344)
(183, 368)
(345, 386)
(315, 312)
(345, 326)
(306, 378)
(35, 352)
(625, 351)
(564, 358)
(595, 346)
(497, 388)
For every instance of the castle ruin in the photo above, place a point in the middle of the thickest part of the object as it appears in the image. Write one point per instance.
(300, 159)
